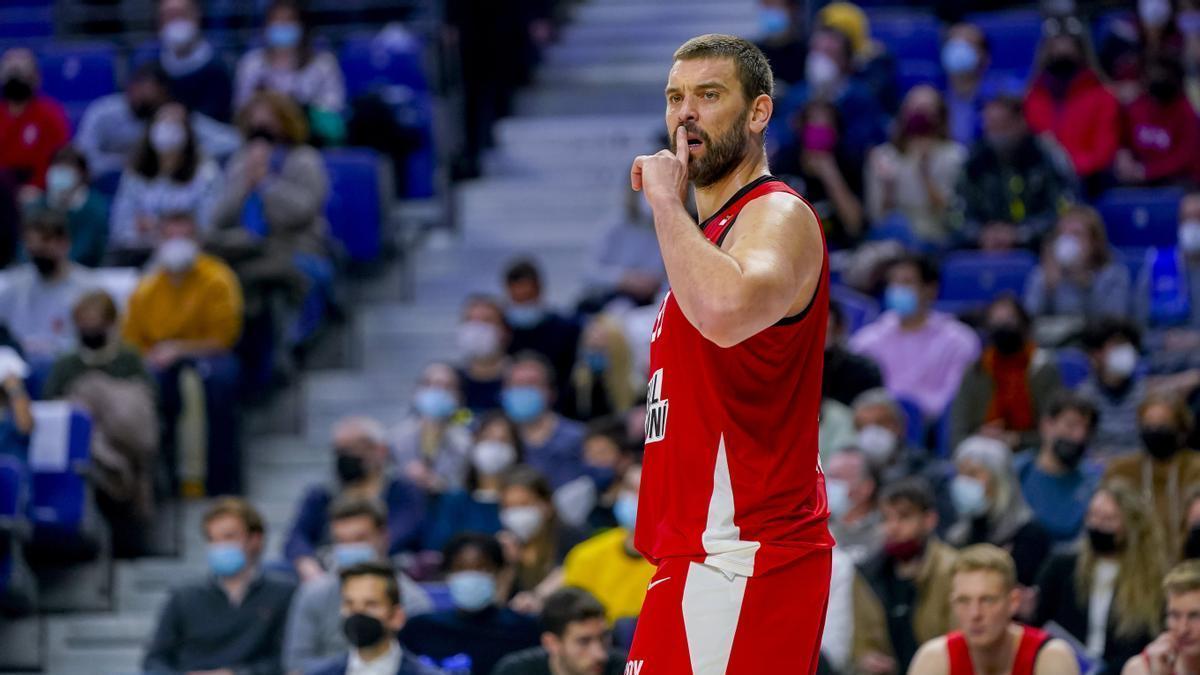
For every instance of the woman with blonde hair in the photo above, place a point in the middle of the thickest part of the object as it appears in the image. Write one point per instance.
(1108, 594)
(602, 382)
(1078, 274)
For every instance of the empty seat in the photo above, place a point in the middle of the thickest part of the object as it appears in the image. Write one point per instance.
(1013, 37)
(78, 73)
(26, 22)
(369, 62)
(1140, 217)
(59, 452)
(973, 278)
(355, 208)
(1073, 366)
(907, 36)
(911, 72)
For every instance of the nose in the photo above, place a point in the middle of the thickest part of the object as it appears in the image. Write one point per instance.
(687, 110)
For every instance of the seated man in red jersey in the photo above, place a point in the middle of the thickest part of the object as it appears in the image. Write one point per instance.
(1177, 650)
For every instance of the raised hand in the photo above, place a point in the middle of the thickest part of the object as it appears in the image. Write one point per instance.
(663, 176)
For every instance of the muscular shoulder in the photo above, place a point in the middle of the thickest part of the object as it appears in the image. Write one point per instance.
(776, 210)
(931, 659)
(1136, 665)
(1056, 658)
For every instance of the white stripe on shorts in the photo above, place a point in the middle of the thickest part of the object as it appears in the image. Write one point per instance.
(712, 604)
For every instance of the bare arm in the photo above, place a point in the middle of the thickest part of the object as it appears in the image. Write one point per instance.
(932, 659)
(1056, 658)
(769, 270)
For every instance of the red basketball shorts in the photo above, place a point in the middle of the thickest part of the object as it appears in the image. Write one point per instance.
(696, 620)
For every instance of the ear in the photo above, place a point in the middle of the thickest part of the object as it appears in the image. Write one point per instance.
(1014, 600)
(551, 643)
(397, 619)
(761, 109)
(931, 521)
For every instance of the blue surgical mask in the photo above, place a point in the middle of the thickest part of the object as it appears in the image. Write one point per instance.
(284, 34)
(61, 179)
(435, 403)
(471, 591)
(625, 510)
(968, 495)
(958, 57)
(772, 21)
(349, 555)
(597, 361)
(523, 404)
(902, 300)
(524, 316)
(226, 560)
(602, 476)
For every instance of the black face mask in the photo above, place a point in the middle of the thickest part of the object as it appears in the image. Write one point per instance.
(1163, 89)
(350, 468)
(17, 90)
(362, 630)
(262, 133)
(1007, 339)
(143, 111)
(1161, 442)
(1191, 548)
(46, 266)
(1062, 67)
(1068, 452)
(1103, 542)
(93, 341)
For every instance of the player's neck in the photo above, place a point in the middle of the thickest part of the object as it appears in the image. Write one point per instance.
(1187, 665)
(997, 658)
(713, 197)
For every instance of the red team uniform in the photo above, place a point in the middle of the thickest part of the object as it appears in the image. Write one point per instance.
(1032, 641)
(732, 507)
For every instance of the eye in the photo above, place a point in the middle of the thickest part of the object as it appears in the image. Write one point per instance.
(710, 95)
(674, 98)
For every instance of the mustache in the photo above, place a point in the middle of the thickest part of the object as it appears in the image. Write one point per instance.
(693, 130)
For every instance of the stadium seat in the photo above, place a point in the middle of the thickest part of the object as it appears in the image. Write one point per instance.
(1134, 259)
(907, 36)
(972, 278)
(858, 309)
(1140, 217)
(13, 489)
(911, 72)
(1073, 366)
(78, 73)
(26, 22)
(355, 202)
(439, 595)
(59, 452)
(1013, 37)
(369, 62)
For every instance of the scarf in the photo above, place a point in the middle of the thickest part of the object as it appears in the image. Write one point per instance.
(1011, 401)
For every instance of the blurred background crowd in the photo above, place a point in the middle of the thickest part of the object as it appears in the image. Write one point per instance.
(191, 198)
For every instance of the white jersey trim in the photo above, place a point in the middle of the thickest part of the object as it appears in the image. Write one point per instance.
(722, 537)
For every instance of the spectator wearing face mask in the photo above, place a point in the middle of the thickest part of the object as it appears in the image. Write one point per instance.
(476, 508)
(902, 594)
(232, 620)
(537, 328)
(371, 617)
(992, 510)
(478, 626)
(575, 640)
(358, 533)
(1077, 274)
(108, 379)
(1107, 594)
(781, 39)
(68, 191)
(912, 177)
(197, 77)
(922, 353)
(1013, 184)
(360, 470)
(1131, 40)
(168, 173)
(185, 316)
(482, 341)
(829, 178)
(1159, 130)
(602, 379)
(588, 502)
(1166, 298)
(880, 424)
(553, 443)
(873, 66)
(535, 539)
(966, 56)
(607, 565)
(1164, 467)
(1056, 476)
(290, 65)
(33, 126)
(852, 488)
(36, 302)
(432, 445)
(114, 126)
(1068, 101)
(1002, 395)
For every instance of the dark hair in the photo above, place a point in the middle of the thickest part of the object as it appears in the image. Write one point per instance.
(305, 47)
(238, 508)
(522, 269)
(145, 158)
(99, 300)
(1066, 400)
(530, 356)
(900, 137)
(525, 476)
(1010, 299)
(753, 69)
(379, 571)
(911, 489)
(485, 544)
(488, 419)
(1099, 332)
(804, 114)
(926, 267)
(567, 606)
(1012, 104)
(69, 154)
(844, 42)
(1166, 62)
(347, 507)
(47, 222)
(150, 71)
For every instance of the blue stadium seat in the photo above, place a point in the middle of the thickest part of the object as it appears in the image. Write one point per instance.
(59, 452)
(915, 421)
(13, 484)
(439, 595)
(911, 72)
(1140, 217)
(368, 62)
(78, 73)
(354, 209)
(858, 309)
(26, 22)
(908, 36)
(1073, 366)
(976, 278)
(1134, 259)
(1013, 37)
(414, 110)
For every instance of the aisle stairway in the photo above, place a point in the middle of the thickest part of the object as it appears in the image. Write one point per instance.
(553, 184)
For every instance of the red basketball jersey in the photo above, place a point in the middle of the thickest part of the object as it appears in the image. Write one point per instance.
(731, 475)
(1032, 641)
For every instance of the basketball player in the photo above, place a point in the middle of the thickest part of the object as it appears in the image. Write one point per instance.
(732, 507)
(1177, 650)
(984, 599)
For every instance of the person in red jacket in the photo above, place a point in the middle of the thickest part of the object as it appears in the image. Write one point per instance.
(1159, 130)
(1068, 101)
(33, 127)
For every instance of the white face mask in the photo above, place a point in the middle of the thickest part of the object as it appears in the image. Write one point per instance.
(167, 136)
(178, 254)
(877, 443)
(837, 494)
(820, 70)
(969, 496)
(523, 521)
(1068, 250)
(1120, 362)
(1189, 236)
(1154, 13)
(60, 181)
(477, 339)
(491, 458)
(179, 33)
